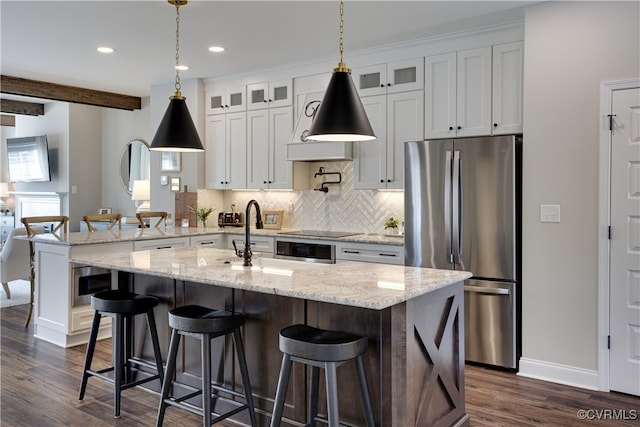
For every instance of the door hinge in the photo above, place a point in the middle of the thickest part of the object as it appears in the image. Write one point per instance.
(608, 342)
(611, 116)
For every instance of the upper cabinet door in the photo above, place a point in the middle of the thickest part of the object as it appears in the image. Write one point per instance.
(229, 100)
(393, 77)
(474, 92)
(405, 122)
(508, 62)
(270, 94)
(371, 80)
(405, 76)
(440, 93)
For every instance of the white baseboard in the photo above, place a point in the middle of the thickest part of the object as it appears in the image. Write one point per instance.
(557, 373)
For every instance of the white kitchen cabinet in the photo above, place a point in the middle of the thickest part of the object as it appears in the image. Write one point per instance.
(392, 77)
(209, 241)
(268, 132)
(165, 243)
(226, 100)
(226, 151)
(458, 93)
(507, 87)
(395, 118)
(370, 252)
(259, 244)
(270, 94)
(56, 319)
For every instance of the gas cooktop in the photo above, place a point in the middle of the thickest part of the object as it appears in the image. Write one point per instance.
(320, 233)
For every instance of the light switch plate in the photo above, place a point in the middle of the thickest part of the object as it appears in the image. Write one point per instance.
(549, 213)
(164, 180)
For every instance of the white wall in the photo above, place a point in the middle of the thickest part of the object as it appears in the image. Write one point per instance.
(85, 178)
(119, 127)
(570, 47)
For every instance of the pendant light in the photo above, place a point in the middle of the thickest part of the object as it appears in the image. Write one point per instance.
(341, 116)
(177, 131)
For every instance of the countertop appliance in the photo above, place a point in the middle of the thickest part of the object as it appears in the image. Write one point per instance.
(463, 212)
(308, 250)
(230, 219)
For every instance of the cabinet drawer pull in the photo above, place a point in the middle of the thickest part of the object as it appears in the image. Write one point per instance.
(163, 247)
(381, 254)
(351, 252)
(208, 243)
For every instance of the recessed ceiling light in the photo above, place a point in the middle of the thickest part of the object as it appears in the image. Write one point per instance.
(182, 67)
(105, 49)
(216, 49)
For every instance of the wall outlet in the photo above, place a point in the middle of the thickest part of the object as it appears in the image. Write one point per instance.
(549, 213)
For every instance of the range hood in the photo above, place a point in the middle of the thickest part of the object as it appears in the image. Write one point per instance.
(301, 149)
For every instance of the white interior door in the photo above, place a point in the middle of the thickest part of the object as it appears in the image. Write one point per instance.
(624, 362)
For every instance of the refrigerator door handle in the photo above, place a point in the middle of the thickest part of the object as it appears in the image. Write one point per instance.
(457, 209)
(485, 290)
(447, 207)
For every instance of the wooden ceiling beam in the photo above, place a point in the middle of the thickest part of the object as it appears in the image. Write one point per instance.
(7, 120)
(78, 95)
(20, 107)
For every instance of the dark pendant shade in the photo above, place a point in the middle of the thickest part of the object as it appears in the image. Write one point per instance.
(177, 131)
(341, 116)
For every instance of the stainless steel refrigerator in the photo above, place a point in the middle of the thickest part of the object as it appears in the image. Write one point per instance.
(462, 206)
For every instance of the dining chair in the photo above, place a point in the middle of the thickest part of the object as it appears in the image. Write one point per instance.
(14, 258)
(162, 216)
(59, 223)
(113, 220)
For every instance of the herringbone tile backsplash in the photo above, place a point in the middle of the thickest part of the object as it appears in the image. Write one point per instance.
(341, 209)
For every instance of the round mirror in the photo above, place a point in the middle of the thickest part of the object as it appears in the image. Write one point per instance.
(134, 163)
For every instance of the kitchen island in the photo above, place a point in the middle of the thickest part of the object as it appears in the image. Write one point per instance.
(412, 316)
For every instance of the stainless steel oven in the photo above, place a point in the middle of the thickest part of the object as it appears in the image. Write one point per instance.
(87, 281)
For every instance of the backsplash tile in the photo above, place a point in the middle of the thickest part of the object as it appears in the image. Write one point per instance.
(340, 209)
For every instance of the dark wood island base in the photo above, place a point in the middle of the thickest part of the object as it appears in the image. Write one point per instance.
(415, 360)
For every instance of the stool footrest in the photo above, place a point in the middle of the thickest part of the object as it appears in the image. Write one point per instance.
(197, 410)
(123, 386)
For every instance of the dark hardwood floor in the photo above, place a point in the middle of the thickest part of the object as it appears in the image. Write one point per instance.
(39, 387)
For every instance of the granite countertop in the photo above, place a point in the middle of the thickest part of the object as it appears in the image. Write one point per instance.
(378, 286)
(114, 236)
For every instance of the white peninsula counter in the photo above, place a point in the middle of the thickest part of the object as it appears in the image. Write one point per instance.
(412, 316)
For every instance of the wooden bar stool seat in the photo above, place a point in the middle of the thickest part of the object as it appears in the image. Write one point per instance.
(205, 324)
(122, 306)
(320, 348)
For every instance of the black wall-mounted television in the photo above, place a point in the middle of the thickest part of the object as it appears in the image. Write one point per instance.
(28, 159)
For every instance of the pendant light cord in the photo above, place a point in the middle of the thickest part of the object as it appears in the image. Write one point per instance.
(178, 85)
(341, 65)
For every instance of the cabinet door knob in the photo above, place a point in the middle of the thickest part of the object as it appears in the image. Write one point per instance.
(388, 180)
(495, 125)
(382, 85)
(382, 180)
(221, 182)
(270, 182)
(388, 84)
(264, 100)
(450, 127)
(459, 127)
(264, 182)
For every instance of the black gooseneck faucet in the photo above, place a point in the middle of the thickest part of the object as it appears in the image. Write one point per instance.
(246, 254)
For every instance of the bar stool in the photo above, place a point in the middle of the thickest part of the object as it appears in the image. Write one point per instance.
(204, 324)
(320, 349)
(121, 306)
